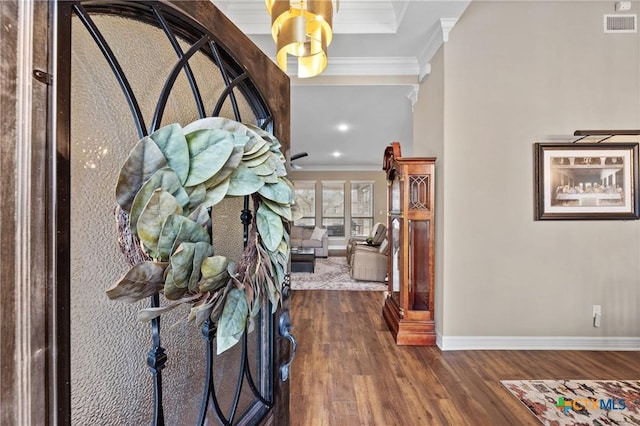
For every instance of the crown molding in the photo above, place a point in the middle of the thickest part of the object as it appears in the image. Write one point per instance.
(363, 66)
(413, 95)
(436, 38)
(447, 25)
(328, 168)
(372, 66)
(355, 80)
(433, 43)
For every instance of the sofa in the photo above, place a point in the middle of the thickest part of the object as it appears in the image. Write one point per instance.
(369, 263)
(307, 237)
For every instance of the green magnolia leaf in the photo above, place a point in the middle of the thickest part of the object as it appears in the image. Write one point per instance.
(196, 195)
(275, 143)
(244, 182)
(258, 148)
(255, 153)
(142, 280)
(214, 273)
(283, 210)
(216, 123)
(171, 290)
(232, 163)
(283, 249)
(255, 162)
(270, 227)
(144, 160)
(164, 178)
(202, 252)
(171, 141)
(280, 161)
(176, 230)
(209, 150)
(252, 139)
(280, 275)
(279, 192)
(221, 123)
(182, 264)
(185, 267)
(232, 321)
(168, 236)
(201, 216)
(272, 178)
(266, 168)
(158, 208)
(216, 194)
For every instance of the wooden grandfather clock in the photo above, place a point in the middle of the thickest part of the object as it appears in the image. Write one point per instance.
(408, 308)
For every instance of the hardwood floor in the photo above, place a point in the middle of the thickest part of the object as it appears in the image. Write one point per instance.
(348, 371)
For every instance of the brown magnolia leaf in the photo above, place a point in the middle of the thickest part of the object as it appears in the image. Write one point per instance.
(143, 280)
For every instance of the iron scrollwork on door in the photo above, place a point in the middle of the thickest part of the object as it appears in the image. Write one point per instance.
(254, 381)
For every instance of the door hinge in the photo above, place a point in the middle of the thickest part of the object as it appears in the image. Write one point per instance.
(43, 77)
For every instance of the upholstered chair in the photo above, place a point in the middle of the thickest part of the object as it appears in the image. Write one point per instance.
(378, 234)
(369, 263)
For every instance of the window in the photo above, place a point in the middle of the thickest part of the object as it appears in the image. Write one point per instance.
(305, 206)
(333, 208)
(361, 208)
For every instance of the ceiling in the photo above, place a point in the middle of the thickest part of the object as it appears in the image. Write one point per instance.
(381, 51)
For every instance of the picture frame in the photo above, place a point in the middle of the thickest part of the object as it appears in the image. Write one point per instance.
(586, 181)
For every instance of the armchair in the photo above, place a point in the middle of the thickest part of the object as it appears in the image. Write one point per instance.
(378, 234)
(369, 263)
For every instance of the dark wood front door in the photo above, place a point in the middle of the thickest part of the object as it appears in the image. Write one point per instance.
(125, 69)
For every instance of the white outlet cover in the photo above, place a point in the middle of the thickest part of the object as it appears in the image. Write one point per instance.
(623, 6)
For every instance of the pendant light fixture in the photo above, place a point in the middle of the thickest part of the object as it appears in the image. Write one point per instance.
(302, 28)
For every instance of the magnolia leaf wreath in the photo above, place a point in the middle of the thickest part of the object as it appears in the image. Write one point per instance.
(165, 188)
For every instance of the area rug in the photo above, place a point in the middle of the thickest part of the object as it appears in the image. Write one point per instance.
(580, 402)
(332, 273)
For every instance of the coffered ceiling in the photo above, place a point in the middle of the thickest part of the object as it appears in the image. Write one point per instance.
(381, 51)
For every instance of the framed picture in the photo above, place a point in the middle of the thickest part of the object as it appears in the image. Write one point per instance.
(586, 181)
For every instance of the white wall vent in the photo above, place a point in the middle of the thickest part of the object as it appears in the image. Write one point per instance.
(620, 23)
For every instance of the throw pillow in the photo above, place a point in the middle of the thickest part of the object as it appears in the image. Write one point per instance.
(318, 233)
(384, 247)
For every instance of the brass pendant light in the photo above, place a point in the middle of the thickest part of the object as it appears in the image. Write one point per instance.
(302, 28)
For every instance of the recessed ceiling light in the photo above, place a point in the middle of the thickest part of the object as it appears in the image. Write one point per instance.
(336, 154)
(343, 127)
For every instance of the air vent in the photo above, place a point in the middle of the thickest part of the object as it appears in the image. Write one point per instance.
(620, 23)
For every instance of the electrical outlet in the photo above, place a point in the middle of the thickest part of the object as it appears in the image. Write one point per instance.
(623, 6)
(597, 315)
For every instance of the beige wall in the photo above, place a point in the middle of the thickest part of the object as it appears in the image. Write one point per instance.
(428, 140)
(379, 197)
(517, 72)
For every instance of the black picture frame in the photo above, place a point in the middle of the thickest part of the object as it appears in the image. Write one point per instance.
(586, 181)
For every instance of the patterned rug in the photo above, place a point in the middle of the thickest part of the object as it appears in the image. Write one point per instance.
(580, 402)
(331, 273)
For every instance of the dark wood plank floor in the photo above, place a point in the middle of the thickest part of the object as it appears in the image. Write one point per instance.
(348, 371)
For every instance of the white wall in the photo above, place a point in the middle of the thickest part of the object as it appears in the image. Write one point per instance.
(515, 73)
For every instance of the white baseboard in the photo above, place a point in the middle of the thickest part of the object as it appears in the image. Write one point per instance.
(553, 343)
